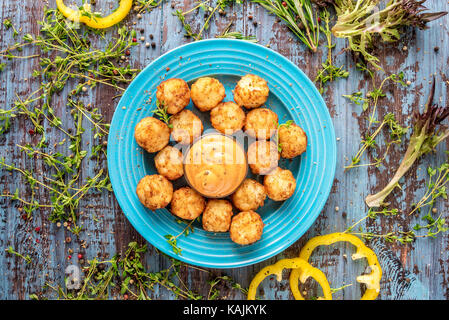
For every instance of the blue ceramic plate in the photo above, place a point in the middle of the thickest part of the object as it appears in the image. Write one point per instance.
(292, 96)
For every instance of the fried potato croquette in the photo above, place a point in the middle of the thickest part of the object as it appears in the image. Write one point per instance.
(174, 94)
(154, 191)
(292, 140)
(246, 227)
(280, 184)
(249, 196)
(168, 163)
(152, 134)
(261, 123)
(263, 156)
(187, 203)
(186, 127)
(251, 91)
(217, 215)
(207, 93)
(227, 117)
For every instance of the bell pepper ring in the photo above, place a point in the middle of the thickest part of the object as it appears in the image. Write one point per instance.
(306, 270)
(92, 21)
(371, 280)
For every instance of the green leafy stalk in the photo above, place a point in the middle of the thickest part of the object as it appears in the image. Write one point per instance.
(423, 140)
(300, 18)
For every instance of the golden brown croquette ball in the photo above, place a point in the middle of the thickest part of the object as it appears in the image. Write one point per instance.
(246, 227)
(168, 163)
(154, 191)
(251, 91)
(187, 203)
(249, 196)
(227, 117)
(186, 127)
(279, 184)
(292, 140)
(263, 156)
(207, 93)
(217, 215)
(152, 134)
(173, 94)
(261, 123)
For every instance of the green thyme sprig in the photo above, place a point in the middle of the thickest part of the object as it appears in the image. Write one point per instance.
(329, 72)
(396, 133)
(436, 188)
(209, 9)
(173, 240)
(27, 258)
(161, 112)
(8, 25)
(227, 34)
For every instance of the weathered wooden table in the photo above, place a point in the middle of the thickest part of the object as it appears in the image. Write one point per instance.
(418, 270)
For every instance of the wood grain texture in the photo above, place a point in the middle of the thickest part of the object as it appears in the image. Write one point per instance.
(418, 270)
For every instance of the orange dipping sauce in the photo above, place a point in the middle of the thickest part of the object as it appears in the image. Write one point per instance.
(215, 165)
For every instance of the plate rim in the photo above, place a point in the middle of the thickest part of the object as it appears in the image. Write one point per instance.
(286, 244)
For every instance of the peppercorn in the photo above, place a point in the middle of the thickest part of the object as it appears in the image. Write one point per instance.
(37, 229)
(134, 39)
(68, 240)
(101, 267)
(436, 49)
(151, 36)
(31, 132)
(153, 44)
(284, 3)
(127, 52)
(80, 256)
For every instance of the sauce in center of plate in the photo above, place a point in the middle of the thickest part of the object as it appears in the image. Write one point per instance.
(215, 165)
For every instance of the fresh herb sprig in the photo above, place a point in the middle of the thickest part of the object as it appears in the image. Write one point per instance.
(72, 59)
(329, 72)
(8, 25)
(423, 140)
(27, 257)
(125, 275)
(396, 132)
(300, 17)
(209, 10)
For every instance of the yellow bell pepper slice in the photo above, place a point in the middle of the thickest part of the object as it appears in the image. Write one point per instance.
(305, 271)
(92, 21)
(371, 280)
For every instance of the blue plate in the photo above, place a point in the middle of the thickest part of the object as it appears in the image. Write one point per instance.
(292, 96)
